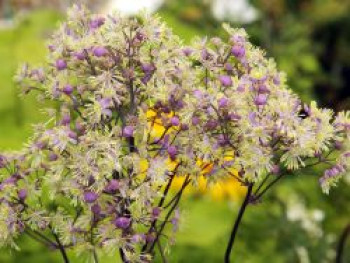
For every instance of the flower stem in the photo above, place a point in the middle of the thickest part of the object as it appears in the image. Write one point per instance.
(341, 244)
(237, 223)
(61, 248)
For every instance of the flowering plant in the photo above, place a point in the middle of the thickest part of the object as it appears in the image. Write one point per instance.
(135, 109)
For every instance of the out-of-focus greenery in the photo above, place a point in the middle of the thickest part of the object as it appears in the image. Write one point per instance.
(24, 42)
(294, 36)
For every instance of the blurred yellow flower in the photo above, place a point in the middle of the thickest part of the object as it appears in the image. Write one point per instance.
(228, 188)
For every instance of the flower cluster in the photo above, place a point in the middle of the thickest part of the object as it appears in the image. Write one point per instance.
(135, 109)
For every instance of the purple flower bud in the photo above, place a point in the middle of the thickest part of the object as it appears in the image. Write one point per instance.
(260, 100)
(223, 102)
(187, 51)
(225, 80)
(96, 23)
(65, 120)
(146, 78)
(338, 145)
(241, 88)
(22, 194)
(175, 121)
(72, 135)
(140, 36)
(205, 54)
(11, 180)
(80, 55)
(105, 103)
(211, 124)
(122, 222)
(184, 127)
(40, 145)
(112, 186)
(53, 157)
(276, 80)
(195, 120)
(234, 117)
(52, 48)
(198, 94)
(61, 64)
(228, 67)
(90, 197)
(263, 89)
(68, 89)
(222, 140)
(238, 51)
(100, 51)
(156, 212)
(172, 151)
(147, 67)
(128, 131)
(96, 209)
(79, 127)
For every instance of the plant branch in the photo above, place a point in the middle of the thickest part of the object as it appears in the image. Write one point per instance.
(237, 223)
(341, 244)
(61, 247)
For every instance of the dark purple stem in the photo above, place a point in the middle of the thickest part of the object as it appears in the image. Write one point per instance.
(341, 244)
(237, 223)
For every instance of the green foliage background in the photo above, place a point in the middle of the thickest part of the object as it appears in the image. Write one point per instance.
(295, 39)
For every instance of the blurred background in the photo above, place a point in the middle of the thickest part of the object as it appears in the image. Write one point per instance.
(310, 41)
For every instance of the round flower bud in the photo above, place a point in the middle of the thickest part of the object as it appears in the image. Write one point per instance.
(61, 64)
(65, 120)
(72, 135)
(225, 81)
(22, 194)
(223, 102)
(147, 68)
(238, 51)
(112, 186)
(80, 55)
(96, 23)
(122, 222)
(156, 212)
(184, 127)
(100, 51)
(195, 120)
(90, 197)
(263, 89)
(175, 121)
(260, 100)
(211, 124)
(172, 151)
(128, 131)
(68, 89)
(187, 51)
(53, 157)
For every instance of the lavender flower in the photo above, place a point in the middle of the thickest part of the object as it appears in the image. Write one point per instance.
(128, 131)
(122, 222)
(100, 51)
(90, 197)
(226, 81)
(61, 64)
